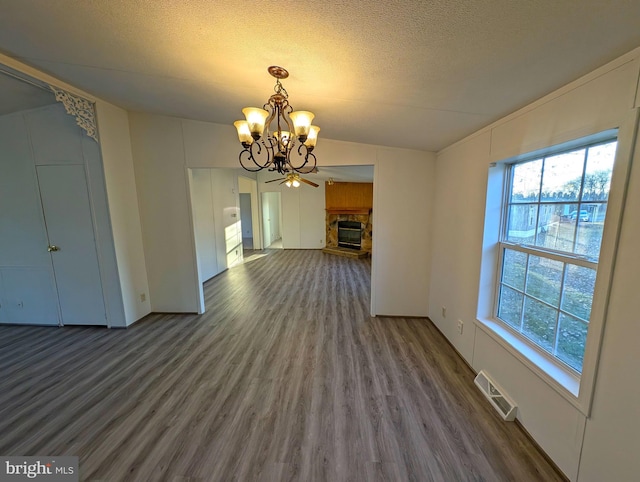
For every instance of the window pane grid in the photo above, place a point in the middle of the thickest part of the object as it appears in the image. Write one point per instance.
(558, 312)
(556, 327)
(555, 207)
(576, 260)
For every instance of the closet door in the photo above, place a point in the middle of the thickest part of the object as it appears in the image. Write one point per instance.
(27, 288)
(68, 219)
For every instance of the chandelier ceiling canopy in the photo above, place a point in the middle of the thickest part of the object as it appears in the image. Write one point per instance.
(276, 137)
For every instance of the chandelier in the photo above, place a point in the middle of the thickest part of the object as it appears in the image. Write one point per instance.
(275, 147)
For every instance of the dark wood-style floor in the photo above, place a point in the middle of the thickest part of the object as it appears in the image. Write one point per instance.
(286, 377)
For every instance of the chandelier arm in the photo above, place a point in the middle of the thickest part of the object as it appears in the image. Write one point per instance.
(252, 153)
(307, 157)
(247, 153)
(271, 145)
(306, 160)
(286, 109)
(269, 107)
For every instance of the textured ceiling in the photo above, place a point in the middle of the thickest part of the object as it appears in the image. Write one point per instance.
(416, 74)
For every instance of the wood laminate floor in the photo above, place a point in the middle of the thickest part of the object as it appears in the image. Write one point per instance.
(286, 377)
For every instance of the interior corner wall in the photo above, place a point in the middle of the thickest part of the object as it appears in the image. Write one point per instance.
(161, 178)
(164, 148)
(456, 245)
(117, 158)
(403, 198)
(605, 445)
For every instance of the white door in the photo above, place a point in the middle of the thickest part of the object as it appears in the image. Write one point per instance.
(67, 213)
(266, 219)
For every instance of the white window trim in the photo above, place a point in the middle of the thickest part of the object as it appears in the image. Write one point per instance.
(576, 389)
(555, 373)
(564, 257)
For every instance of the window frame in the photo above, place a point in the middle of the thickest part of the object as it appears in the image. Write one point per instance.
(565, 257)
(576, 390)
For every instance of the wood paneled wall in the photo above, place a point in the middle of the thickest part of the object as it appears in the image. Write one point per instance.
(349, 195)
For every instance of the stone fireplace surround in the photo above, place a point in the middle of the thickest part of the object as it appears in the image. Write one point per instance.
(332, 228)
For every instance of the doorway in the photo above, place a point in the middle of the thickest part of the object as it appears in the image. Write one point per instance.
(249, 213)
(272, 220)
(246, 221)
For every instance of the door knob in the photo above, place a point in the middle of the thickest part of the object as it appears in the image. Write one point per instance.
(53, 248)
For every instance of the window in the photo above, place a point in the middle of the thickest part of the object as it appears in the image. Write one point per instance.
(555, 208)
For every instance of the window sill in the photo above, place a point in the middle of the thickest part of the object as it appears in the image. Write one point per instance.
(561, 379)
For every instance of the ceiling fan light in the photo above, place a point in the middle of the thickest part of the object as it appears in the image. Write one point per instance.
(312, 138)
(288, 183)
(296, 183)
(302, 123)
(244, 133)
(256, 118)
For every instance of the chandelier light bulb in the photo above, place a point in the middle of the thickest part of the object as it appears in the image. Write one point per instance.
(244, 133)
(312, 138)
(256, 118)
(301, 123)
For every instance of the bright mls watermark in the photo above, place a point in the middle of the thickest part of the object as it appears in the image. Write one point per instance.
(50, 469)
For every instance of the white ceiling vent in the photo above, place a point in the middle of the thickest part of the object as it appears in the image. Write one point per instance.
(500, 401)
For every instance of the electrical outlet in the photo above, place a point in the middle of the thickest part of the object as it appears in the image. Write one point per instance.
(460, 326)
(444, 311)
(143, 297)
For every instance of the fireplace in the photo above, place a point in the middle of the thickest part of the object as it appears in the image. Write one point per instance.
(350, 234)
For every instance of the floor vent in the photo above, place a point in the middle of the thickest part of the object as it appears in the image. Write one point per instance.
(504, 405)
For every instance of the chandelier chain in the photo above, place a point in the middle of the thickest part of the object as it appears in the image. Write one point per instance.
(279, 89)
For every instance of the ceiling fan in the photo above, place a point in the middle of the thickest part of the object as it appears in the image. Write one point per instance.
(293, 179)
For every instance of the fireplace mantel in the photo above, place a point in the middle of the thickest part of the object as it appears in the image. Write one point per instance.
(348, 210)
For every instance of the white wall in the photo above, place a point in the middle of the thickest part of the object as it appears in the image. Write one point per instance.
(216, 224)
(27, 286)
(163, 147)
(460, 192)
(117, 159)
(403, 199)
(612, 440)
(227, 217)
(303, 212)
(49, 136)
(608, 440)
(203, 223)
(119, 232)
(159, 160)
